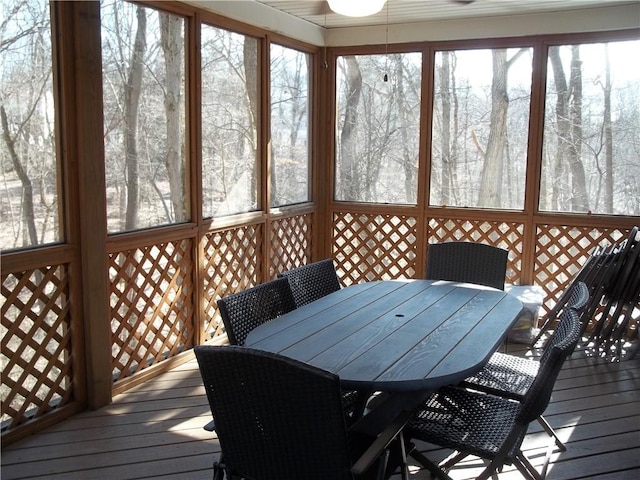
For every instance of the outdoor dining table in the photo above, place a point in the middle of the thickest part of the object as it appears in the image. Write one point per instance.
(395, 335)
(406, 338)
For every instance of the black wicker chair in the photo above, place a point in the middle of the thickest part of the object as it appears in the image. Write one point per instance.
(577, 295)
(489, 426)
(621, 297)
(277, 418)
(243, 311)
(511, 377)
(588, 274)
(313, 281)
(467, 262)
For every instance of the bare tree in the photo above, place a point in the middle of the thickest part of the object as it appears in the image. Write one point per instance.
(289, 115)
(172, 46)
(579, 197)
(608, 135)
(408, 151)
(490, 193)
(569, 133)
(445, 140)
(132, 101)
(26, 129)
(562, 120)
(28, 212)
(348, 141)
(491, 182)
(251, 82)
(378, 124)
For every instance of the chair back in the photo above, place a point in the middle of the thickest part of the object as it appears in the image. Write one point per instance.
(313, 281)
(562, 344)
(243, 311)
(276, 418)
(579, 297)
(467, 262)
(564, 332)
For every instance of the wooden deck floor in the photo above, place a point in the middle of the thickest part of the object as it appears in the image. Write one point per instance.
(155, 431)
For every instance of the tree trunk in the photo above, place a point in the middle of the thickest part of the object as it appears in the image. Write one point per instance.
(28, 211)
(132, 100)
(579, 198)
(562, 120)
(445, 140)
(172, 46)
(348, 173)
(251, 81)
(408, 151)
(453, 162)
(608, 137)
(490, 194)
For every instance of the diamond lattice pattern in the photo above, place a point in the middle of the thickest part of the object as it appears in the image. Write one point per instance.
(562, 250)
(232, 262)
(151, 302)
(36, 344)
(371, 247)
(290, 243)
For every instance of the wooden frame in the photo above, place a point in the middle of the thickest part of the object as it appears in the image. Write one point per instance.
(236, 252)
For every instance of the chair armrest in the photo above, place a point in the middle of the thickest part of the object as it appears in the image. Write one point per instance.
(381, 443)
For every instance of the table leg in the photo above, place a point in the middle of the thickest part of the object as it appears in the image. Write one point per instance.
(387, 409)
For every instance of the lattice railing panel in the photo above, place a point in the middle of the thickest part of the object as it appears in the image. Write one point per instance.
(36, 344)
(232, 262)
(562, 250)
(290, 243)
(370, 247)
(151, 301)
(507, 235)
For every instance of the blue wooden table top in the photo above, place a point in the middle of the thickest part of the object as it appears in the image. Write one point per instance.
(396, 335)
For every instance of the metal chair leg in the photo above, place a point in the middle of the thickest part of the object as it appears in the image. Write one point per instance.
(552, 433)
(435, 471)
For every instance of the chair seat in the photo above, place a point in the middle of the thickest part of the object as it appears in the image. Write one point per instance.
(458, 419)
(505, 375)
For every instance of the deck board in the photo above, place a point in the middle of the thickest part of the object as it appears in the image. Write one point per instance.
(155, 431)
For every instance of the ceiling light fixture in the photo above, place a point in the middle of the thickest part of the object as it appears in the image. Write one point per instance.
(356, 8)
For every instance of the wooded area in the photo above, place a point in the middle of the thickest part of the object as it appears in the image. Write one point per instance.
(479, 128)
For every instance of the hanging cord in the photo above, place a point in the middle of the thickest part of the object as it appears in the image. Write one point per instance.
(324, 65)
(386, 47)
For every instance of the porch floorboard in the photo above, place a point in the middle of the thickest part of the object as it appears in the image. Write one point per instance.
(155, 431)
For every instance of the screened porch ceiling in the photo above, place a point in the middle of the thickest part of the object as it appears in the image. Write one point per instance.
(428, 20)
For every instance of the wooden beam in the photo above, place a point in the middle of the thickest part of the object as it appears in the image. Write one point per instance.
(83, 99)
